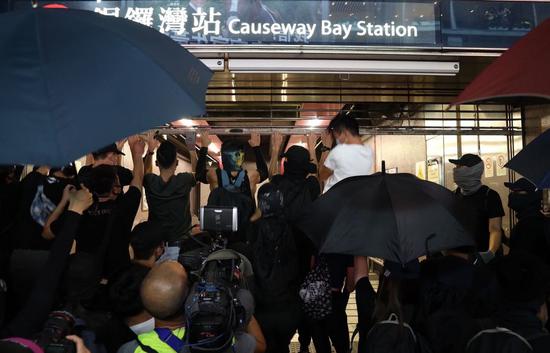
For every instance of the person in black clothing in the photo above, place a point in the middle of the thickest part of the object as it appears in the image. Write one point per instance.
(524, 283)
(300, 186)
(467, 175)
(105, 228)
(107, 155)
(129, 315)
(232, 165)
(529, 234)
(168, 195)
(29, 319)
(275, 270)
(147, 243)
(232, 177)
(454, 294)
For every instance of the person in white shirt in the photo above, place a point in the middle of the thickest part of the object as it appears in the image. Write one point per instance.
(350, 157)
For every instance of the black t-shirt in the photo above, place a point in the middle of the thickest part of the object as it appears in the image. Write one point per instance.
(118, 215)
(169, 202)
(488, 205)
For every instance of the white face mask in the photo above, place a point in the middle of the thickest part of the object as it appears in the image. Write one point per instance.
(144, 327)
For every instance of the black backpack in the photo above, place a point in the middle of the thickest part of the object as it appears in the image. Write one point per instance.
(275, 262)
(391, 336)
(498, 340)
(297, 196)
(229, 194)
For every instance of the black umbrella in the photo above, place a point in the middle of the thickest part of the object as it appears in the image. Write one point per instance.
(533, 161)
(396, 217)
(73, 81)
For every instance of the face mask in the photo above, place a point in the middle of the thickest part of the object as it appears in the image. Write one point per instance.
(468, 179)
(521, 202)
(232, 160)
(144, 327)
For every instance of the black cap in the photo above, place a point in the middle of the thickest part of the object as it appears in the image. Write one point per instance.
(109, 148)
(298, 157)
(521, 185)
(467, 160)
(147, 235)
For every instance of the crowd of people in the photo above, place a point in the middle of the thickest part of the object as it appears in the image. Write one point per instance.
(77, 275)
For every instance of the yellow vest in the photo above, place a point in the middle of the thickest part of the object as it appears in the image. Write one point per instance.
(151, 339)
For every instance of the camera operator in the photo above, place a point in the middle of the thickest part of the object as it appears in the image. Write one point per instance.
(163, 293)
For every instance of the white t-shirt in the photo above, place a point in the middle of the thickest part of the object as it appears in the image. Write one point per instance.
(347, 161)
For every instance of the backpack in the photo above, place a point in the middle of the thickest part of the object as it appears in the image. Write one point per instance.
(41, 206)
(275, 261)
(297, 197)
(213, 309)
(498, 339)
(316, 292)
(391, 336)
(229, 194)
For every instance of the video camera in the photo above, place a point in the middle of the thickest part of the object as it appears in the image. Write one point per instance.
(213, 220)
(52, 337)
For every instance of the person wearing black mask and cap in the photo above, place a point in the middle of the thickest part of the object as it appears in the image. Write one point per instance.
(300, 187)
(529, 233)
(467, 175)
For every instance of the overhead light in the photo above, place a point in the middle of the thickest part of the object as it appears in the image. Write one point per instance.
(186, 122)
(213, 64)
(313, 122)
(372, 67)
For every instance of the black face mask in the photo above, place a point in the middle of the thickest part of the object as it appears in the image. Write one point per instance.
(521, 202)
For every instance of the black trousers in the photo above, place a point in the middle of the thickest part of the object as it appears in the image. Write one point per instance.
(333, 329)
(279, 326)
(365, 297)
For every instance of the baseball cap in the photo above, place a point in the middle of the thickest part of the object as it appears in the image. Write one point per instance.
(521, 185)
(298, 158)
(109, 148)
(467, 160)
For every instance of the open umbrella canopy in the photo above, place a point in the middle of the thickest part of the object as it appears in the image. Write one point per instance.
(73, 81)
(533, 161)
(522, 73)
(397, 217)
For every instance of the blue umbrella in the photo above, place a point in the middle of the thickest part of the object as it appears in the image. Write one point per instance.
(73, 81)
(533, 161)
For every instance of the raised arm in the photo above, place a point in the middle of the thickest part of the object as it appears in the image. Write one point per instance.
(152, 145)
(276, 142)
(324, 172)
(137, 147)
(261, 165)
(200, 169)
(47, 232)
(311, 142)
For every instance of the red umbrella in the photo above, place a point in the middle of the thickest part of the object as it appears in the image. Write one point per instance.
(523, 71)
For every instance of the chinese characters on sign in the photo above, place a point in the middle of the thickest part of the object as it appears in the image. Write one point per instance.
(221, 25)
